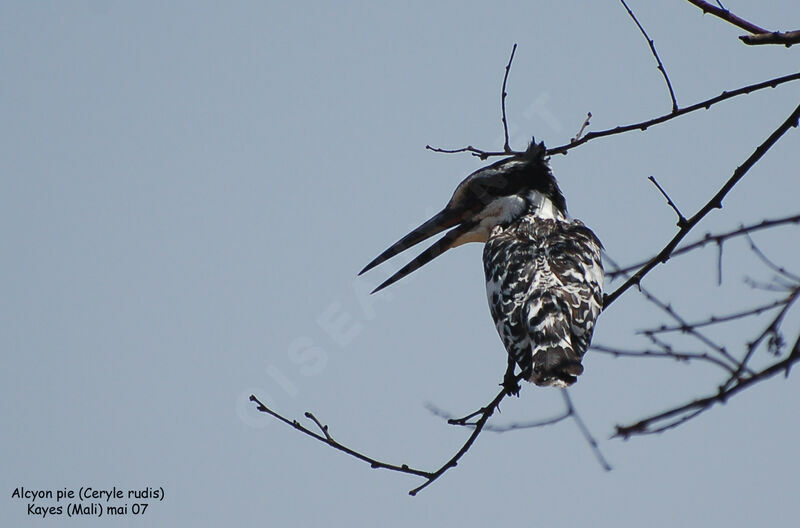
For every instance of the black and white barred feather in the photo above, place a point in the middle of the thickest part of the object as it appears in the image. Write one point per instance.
(544, 282)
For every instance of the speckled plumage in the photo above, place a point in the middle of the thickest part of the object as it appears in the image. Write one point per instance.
(544, 282)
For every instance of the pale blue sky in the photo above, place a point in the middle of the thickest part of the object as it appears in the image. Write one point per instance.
(189, 190)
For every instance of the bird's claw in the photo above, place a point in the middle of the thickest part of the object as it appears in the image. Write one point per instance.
(511, 385)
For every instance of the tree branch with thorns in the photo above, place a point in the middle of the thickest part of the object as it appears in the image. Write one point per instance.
(758, 35)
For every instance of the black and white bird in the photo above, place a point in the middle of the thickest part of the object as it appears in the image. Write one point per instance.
(544, 274)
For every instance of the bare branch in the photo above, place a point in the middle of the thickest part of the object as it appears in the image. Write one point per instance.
(668, 354)
(327, 439)
(716, 319)
(727, 16)
(685, 327)
(642, 125)
(774, 286)
(675, 423)
(771, 329)
(506, 147)
(485, 413)
(655, 54)
(569, 412)
(496, 428)
(738, 379)
(690, 410)
(714, 203)
(482, 154)
(585, 431)
(774, 267)
(786, 38)
(758, 34)
(709, 238)
(681, 218)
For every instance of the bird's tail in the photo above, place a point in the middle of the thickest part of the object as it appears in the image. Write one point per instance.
(554, 360)
(556, 366)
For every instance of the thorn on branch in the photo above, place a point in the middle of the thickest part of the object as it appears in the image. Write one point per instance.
(727, 16)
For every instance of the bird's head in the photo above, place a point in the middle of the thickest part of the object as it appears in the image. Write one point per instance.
(494, 195)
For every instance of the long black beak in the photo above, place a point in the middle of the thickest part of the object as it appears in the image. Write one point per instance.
(447, 217)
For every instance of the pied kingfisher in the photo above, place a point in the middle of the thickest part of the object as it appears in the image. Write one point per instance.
(544, 275)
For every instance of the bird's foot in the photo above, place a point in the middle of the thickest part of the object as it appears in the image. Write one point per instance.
(510, 384)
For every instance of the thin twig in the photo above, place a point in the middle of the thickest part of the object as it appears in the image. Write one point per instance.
(714, 319)
(709, 238)
(681, 218)
(768, 262)
(323, 428)
(714, 203)
(669, 310)
(583, 127)
(513, 426)
(327, 439)
(774, 286)
(721, 396)
(506, 147)
(670, 354)
(585, 431)
(685, 327)
(655, 54)
(569, 412)
(642, 125)
(430, 476)
(496, 428)
(673, 424)
(487, 413)
(772, 328)
(482, 154)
